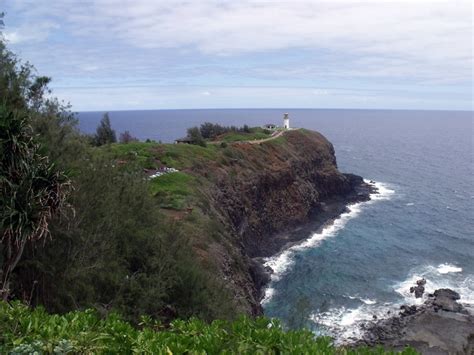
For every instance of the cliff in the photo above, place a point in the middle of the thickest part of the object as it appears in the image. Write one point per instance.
(240, 201)
(263, 193)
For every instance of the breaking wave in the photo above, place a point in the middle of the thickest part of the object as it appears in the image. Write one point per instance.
(344, 323)
(281, 263)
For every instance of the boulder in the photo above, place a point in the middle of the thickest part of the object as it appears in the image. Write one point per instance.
(446, 292)
(419, 289)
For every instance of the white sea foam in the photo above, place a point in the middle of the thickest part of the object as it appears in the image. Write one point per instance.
(447, 268)
(365, 300)
(368, 301)
(384, 192)
(281, 263)
(409, 204)
(443, 276)
(345, 323)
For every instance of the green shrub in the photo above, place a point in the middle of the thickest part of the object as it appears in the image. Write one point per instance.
(26, 331)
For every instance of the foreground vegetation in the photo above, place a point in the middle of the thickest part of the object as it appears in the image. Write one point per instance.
(26, 331)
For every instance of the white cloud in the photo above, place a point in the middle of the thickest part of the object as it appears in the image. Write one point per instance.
(35, 32)
(89, 67)
(217, 43)
(394, 38)
(320, 92)
(431, 31)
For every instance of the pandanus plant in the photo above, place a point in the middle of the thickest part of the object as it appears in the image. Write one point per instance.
(32, 190)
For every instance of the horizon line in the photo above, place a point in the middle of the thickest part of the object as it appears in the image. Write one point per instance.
(275, 108)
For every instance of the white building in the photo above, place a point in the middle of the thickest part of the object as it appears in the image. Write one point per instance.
(286, 121)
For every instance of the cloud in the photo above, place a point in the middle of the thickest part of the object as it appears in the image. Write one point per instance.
(216, 44)
(320, 92)
(420, 34)
(89, 67)
(25, 33)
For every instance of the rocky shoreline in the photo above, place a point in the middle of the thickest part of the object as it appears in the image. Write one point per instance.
(441, 325)
(323, 215)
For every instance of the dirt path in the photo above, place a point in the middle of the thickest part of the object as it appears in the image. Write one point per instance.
(258, 141)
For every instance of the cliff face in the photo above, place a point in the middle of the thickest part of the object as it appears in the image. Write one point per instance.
(274, 187)
(261, 192)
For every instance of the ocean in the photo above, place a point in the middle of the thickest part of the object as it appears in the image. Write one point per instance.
(420, 225)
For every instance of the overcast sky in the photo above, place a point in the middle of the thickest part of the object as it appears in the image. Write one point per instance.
(152, 54)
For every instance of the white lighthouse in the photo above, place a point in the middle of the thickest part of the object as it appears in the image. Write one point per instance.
(286, 121)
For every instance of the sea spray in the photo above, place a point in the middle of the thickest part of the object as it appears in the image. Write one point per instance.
(445, 275)
(344, 323)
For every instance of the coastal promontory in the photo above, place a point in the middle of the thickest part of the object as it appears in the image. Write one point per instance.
(242, 200)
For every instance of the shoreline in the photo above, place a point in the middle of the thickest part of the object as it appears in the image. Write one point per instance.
(440, 325)
(321, 218)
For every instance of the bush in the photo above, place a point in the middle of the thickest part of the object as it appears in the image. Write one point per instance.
(126, 137)
(24, 331)
(117, 253)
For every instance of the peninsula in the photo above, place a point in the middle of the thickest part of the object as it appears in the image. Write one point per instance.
(241, 200)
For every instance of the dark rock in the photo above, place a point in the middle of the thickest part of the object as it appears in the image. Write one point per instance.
(407, 310)
(259, 274)
(421, 282)
(439, 326)
(446, 304)
(419, 289)
(446, 292)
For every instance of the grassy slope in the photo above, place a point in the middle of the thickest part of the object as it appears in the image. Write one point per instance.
(254, 133)
(178, 191)
(26, 331)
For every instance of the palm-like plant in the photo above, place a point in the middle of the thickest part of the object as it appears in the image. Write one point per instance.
(31, 191)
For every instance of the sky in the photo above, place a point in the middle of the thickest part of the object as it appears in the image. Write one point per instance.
(165, 54)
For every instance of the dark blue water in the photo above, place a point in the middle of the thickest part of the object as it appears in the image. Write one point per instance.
(422, 225)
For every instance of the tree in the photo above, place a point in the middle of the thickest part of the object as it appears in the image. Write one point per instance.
(32, 191)
(195, 134)
(104, 133)
(126, 137)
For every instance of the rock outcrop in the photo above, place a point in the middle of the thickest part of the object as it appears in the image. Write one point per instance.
(440, 326)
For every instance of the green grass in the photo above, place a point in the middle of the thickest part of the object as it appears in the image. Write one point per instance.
(173, 189)
(33, 331)
(240, 136)
(278, 141)
(155, 155)
(253, 134)
(181, 156)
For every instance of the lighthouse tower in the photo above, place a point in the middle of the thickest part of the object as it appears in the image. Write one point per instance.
(286, 121)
